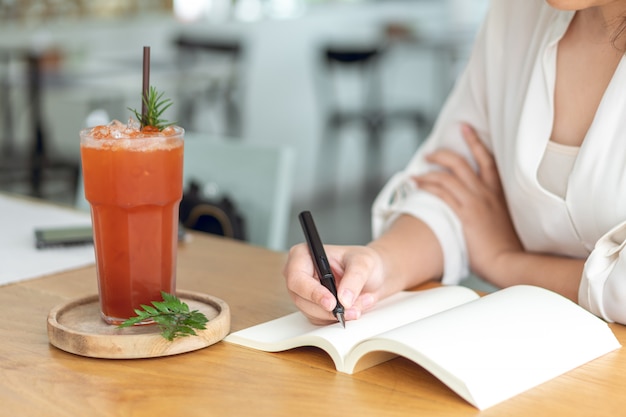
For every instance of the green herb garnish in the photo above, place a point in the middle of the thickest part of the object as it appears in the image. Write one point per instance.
(155, 106)
(171, 315)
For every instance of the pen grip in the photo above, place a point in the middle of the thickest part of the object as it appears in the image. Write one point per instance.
(328, 281)
(322, 266)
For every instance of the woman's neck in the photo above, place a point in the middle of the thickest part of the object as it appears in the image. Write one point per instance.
(602, 24)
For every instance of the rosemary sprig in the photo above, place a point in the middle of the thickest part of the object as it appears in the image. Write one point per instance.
(155, 106)
(171, 315)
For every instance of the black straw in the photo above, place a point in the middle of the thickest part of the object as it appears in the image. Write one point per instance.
(146, 82)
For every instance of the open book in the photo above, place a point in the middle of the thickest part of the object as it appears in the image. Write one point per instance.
(486, 349)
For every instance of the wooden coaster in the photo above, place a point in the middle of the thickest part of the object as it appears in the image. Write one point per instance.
(77, 327)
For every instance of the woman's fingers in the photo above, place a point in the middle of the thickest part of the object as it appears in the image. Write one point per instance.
(487, 169)
(302, 281)
(456, 164)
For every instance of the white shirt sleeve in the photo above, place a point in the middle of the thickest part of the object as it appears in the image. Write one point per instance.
(603, 287)
(466, 104)
(400, 196)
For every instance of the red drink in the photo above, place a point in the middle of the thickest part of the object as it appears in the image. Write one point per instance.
(134, 187)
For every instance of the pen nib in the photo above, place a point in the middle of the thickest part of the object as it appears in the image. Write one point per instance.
(341, 320)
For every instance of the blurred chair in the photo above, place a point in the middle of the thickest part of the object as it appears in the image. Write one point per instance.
(358, 66)
(257, 178)
(81, 202)
(210, 76)
(38, 166)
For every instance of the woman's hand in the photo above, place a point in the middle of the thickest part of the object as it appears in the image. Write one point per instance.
(477, 198)
(405, 256)
(358, 271)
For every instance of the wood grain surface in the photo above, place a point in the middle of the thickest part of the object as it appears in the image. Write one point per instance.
(38, 379)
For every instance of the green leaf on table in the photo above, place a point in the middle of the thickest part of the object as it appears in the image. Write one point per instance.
(171, 315)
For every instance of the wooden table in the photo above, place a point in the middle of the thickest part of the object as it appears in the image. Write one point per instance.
(37, 379)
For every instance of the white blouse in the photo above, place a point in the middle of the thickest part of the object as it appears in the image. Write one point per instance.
(506, 93)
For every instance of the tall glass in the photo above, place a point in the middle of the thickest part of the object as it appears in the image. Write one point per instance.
(134, 187)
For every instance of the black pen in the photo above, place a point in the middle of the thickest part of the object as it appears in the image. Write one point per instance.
(322, 266)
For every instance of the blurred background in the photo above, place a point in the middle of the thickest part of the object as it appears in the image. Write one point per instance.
(350, 87)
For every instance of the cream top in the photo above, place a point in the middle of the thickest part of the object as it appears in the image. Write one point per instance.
(556, 166)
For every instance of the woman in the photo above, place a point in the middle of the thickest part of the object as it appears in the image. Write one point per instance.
(522, 177)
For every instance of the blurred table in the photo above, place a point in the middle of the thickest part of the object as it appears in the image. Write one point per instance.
(19, 258)
(224, 379)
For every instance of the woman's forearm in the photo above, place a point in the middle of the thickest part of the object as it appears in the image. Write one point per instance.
(556, 273)
(411, 254)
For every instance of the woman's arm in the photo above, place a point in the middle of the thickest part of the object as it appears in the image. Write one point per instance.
(411, 254)
(556, 273)
(495, 252)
